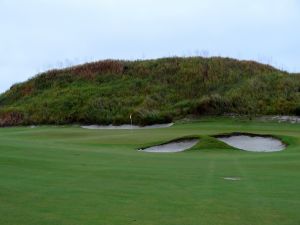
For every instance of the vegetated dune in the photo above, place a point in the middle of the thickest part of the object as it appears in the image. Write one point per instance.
(153, 91)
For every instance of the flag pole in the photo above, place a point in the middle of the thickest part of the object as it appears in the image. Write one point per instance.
(131, 120)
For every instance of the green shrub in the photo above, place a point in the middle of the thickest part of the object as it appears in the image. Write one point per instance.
(297, 111)
(153, 91)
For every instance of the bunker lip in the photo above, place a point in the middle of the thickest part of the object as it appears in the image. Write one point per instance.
(125, 126)
(172, 146)
(252, 142)
(244, 133)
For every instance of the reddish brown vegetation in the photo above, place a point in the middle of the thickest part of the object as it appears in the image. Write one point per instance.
(90, 70)
(11, 118)
(27, 89)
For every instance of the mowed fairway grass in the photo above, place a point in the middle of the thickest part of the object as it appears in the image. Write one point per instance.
(73, 176)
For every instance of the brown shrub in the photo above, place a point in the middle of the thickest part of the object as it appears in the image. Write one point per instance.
(27, 89)
(90, 69)
(11, 118)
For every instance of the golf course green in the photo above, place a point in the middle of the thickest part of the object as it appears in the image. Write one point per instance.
(67, 175)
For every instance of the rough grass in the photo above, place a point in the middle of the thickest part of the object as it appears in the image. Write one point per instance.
(74, 176)
(153, 91)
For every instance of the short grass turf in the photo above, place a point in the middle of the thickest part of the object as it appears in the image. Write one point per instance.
(73, 176)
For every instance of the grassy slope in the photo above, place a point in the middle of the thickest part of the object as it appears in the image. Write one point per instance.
(154, 91)
(69, 176)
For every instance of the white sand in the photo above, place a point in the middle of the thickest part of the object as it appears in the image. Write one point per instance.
(254, 144)
(232, 178)
(177, 146)
(126, 127)
(280, 119)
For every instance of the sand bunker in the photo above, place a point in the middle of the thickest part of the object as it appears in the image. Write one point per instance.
(176, 146)
(232, 178)
(253, 143)
(126, 126)
(280, 119)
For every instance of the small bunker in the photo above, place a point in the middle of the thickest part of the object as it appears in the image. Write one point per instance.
(252, 142)
(126, 127)
(173, 146)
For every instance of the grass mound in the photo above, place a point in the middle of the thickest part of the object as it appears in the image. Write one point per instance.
(152, 91)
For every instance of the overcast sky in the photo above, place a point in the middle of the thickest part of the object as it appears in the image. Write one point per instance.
(36, 35)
